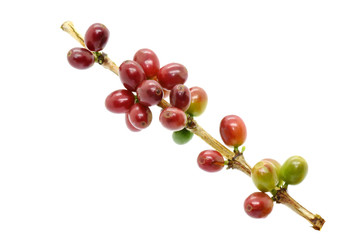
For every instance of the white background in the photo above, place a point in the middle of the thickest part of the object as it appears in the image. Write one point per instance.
(69, 169)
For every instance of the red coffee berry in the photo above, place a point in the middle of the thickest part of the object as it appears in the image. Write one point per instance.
(148, 61)
(80, 58)
(172, 74)
(131, 74)
(96, 37)
(140, 116)
(120, 101)
(149, 92)
(129, 125)
(173, 118)
(199, 101)
(210, 161)
(233, 130)
(180, 97)
(258, 205)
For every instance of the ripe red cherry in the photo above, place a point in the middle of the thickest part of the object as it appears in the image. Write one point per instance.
(149, 92)
(120, 101)
(172, 74)
(148, 61)
(131, 74)
(80, 58)
(233, 130)
(96, 37)
(180, 97)
(173, 118)
(210, 161)
(258, 205)
(140, 116)
(129, 125)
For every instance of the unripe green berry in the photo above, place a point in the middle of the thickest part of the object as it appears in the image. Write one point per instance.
(265, 176)
(182, 137)
(294, 170)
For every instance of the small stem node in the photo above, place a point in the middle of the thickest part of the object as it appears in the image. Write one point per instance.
(236, 150)
(100, 57)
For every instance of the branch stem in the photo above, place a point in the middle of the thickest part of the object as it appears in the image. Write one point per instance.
(70, 29)
(235, 160)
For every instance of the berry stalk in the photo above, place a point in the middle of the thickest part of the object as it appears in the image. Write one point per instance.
(235, 159)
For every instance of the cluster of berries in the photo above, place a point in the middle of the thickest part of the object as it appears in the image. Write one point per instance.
(151, 84)
(146, 85)
(95, 39)
(267, 174)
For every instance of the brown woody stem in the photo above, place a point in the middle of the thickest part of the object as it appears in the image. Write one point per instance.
(70, 29)
(282, 196)
(236, 159)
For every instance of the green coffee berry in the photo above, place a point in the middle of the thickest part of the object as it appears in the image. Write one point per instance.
(183, 136)
(294, 170)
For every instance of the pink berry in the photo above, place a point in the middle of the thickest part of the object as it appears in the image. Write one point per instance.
(148, 61)
(173, 118)
(258, 205)
(140, 116)
(233, 130)
(80, 58)
(149, 92)
(96, 37)
(171, 75)
(210, 161)
(180, 97)
(120, 101)
(131, 74)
